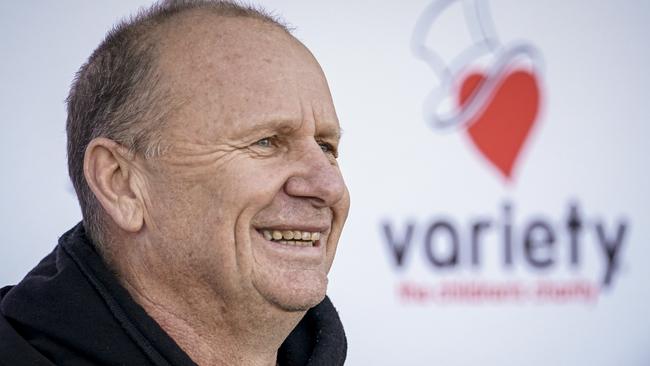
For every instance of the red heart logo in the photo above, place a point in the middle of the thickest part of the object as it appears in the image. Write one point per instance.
(501, 127)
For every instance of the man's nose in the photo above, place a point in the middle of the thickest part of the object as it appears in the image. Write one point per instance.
(317, 177)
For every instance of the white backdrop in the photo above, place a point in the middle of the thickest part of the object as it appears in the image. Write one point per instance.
(586, 148)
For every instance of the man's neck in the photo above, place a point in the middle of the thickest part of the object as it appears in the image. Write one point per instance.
(212, 334)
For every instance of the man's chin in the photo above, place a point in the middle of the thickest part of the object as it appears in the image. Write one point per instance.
(296, 296)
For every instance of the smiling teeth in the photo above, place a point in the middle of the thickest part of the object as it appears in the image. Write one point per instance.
(292, 237)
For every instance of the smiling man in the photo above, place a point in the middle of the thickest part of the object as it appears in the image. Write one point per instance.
(202, 146)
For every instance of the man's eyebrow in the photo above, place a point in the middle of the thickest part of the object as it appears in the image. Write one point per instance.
(271, 125)
(331, 131)
(286, 125)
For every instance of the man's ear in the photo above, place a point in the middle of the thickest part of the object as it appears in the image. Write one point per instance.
(110, 174)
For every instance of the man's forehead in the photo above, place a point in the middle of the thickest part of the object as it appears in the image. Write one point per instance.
(230, 51)
(203, 33)
(238, 74)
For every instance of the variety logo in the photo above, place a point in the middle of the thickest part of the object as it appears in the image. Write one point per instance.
(491, 93)
(494, 89)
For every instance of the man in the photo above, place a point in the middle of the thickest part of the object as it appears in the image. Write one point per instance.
(202, 147)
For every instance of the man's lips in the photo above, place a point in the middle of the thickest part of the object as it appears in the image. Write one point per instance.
(294, 252)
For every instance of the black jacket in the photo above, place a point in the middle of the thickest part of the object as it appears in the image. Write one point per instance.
(70, 311)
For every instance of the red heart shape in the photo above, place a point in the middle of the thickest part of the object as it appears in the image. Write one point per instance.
(501, 127)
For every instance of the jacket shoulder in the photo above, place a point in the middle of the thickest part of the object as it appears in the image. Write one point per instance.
(16, 351)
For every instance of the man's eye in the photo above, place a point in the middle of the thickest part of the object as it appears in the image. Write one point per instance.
(265, 142)
(328, 148)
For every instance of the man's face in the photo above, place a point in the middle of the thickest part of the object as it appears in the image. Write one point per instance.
(252, 157)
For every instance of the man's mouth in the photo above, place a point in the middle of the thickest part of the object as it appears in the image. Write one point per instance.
(292, 237)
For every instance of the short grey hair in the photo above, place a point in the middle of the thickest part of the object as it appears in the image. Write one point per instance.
(116, 94)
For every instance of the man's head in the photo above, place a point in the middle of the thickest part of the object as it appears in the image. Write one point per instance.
(220, 132)
(116, 93)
